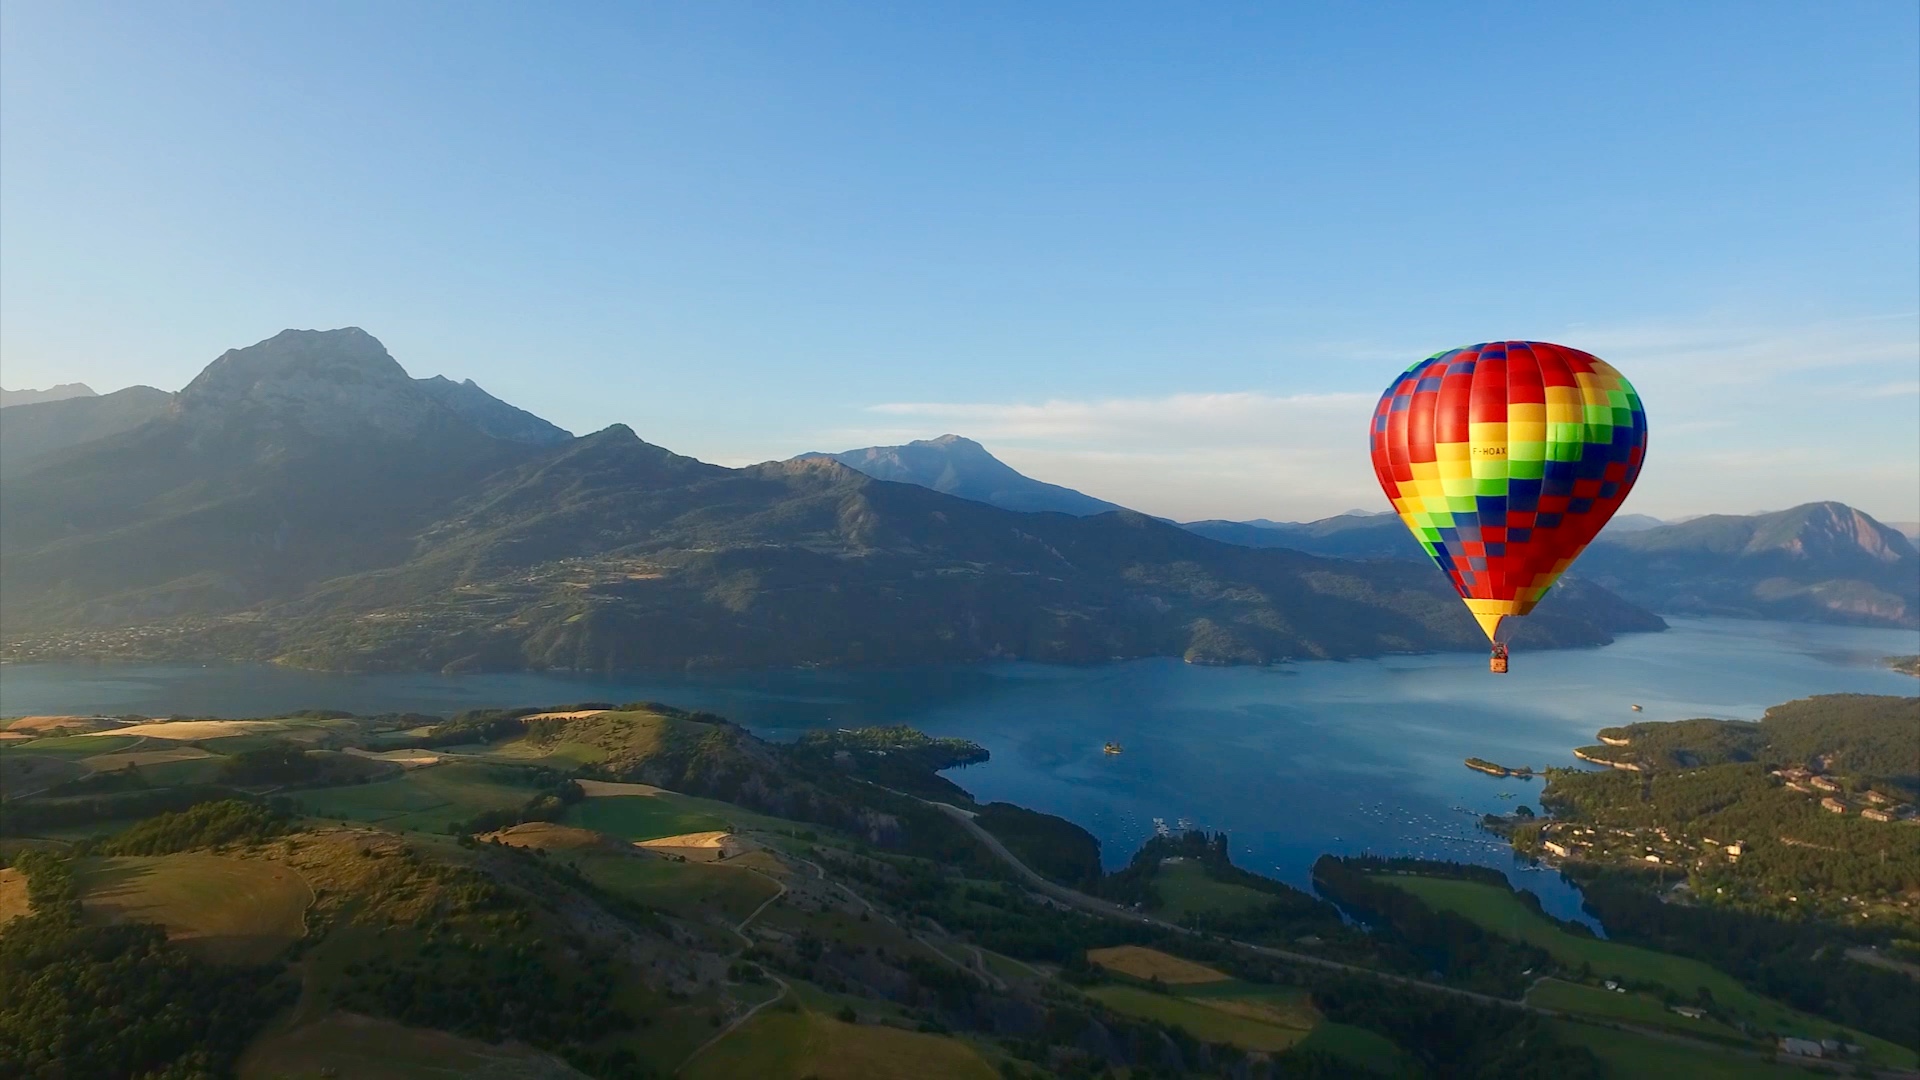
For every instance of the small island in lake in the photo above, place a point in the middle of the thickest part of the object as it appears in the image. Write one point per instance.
(1488, 767)
(1908, 665)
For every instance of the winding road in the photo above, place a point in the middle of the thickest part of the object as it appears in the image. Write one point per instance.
(1094, 905)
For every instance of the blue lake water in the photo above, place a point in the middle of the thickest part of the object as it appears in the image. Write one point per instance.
(1292, 761)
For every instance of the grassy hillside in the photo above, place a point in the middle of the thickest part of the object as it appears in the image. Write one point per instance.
(236, 911)
(780, 1044)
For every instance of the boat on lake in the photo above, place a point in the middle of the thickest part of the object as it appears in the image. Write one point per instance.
(1115, 748)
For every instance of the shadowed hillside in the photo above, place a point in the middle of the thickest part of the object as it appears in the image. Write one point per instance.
(306, 500)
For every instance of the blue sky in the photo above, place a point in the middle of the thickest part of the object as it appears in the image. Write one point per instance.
(1165, 254)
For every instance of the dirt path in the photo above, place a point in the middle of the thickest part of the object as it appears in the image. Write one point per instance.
(764, 904)
(741, 932)
(736, 1023)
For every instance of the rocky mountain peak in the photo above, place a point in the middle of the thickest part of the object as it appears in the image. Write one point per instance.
(490, 414)
(1828, 529)
(317, 378)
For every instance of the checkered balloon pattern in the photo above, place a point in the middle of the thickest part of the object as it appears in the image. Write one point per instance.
(1505, 459)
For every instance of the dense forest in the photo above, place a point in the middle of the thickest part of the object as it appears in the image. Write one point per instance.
(1797, 817)
(1453, 946)
(82, 999)
(1871, 737)
(1803, 963)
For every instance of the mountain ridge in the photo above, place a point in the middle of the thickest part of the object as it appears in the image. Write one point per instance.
(956, 465)
(1821, 562)
(31, 430)
(60, 392)
(305, 500)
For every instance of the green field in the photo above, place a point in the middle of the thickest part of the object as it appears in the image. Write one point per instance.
(235, 910)
(344, 1044)
(688, 890)
(1500, 911)
(1627, 1056)
(1207, 1022)
(558, 753)
(1186, 889)
(171, 773)
(1364, 1048)
(780, 1044)
(1634, 1008)
(644, 817)
(24, 774)
(81, 745)
(423, 800)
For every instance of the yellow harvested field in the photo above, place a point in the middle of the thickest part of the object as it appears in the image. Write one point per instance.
(691, 840)
(14, 736)
(40, 725)
(348, 1044)
(1287, 1014)
(565, 715)
(1144, 963)
(406, 759)
(607, 789)
(13, 896)
(549, 836)
(189, 730)
(112, 762)
(700, 846)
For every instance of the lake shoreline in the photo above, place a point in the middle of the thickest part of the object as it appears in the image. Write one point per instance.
(1292, 760)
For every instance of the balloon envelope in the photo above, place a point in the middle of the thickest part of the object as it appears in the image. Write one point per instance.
(1505, 459)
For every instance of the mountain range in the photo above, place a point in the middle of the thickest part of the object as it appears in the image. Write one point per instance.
(1821, 562)
(304, 499)
(52, 393)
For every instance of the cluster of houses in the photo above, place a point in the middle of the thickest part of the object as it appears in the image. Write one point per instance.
(1568, 841)
(1833, 795)
(1823, 1048)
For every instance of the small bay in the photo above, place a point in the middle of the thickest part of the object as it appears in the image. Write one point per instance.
(1292, 760)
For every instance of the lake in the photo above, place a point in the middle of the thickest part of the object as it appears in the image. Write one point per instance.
(1291, 761)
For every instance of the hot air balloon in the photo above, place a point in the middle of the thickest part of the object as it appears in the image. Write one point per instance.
(1505, 459)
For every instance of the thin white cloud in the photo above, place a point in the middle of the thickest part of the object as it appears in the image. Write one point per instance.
(1892, 389)
(1744, 415)
(1188, 418)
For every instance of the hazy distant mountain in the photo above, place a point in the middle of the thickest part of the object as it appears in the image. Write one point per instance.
(309, 455)
(491, 415)
(1908, 529)
(9, 398)
(961, 467)
(1626, 523)
(306, 500)
(1356, 534)
(30, 430)
(1823, 562)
